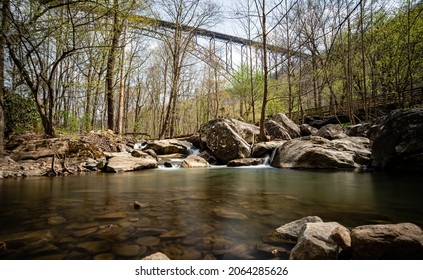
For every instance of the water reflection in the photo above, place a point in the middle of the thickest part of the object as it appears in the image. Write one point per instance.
(188, 213)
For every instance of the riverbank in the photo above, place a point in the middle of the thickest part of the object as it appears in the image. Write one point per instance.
(392, 143)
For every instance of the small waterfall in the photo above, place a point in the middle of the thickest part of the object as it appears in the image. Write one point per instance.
(272, 156)
(140, 146)
(192, 150)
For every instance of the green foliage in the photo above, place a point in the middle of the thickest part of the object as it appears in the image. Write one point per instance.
(70, 121)
(20, 114)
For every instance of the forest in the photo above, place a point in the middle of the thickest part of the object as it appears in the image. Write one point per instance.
(71, 66)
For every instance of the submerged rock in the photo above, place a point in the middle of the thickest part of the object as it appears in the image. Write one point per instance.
(94, 247)
(129, 250)
(56, 220)
(240, 252)
(229, 214)
(390, 241)
(148, 241)
(173, 234)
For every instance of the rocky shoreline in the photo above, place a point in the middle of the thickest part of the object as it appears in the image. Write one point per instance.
(310, 238)
(392, 143)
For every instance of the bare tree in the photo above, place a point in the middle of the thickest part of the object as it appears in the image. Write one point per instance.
(183, 14)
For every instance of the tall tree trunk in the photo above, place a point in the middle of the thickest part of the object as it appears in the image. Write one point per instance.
(111, 61)
(350, 76)
(363, 63)
(122, 88)
(266, 74)
(4, 28)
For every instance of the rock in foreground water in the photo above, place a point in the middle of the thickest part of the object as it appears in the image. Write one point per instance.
(391, 241)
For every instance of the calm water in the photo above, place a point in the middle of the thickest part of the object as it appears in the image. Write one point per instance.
(188, 213)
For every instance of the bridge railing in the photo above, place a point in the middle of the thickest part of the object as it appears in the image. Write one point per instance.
(407, 99)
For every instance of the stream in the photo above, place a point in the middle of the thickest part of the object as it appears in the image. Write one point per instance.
(210, 213)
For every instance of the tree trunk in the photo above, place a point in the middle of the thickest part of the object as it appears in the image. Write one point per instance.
(111, 61)
(122, 88)
(363, 63)
(265, 70)
(4, 28)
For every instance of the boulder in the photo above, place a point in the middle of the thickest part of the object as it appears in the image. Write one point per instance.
(249, 132)
(292, 128)
(307, 130)
(358, 130)
(359, 146)
(124, 162)
(316, 243)
(317, 152)
(209, 158)
(276, 131)
(265, 148)
(138, 153)
(397, 141)
(222, 141)
(151, 153)
(289, 233)
(167, 147)
(246, 162)
(193, 161)
(331, 131)
(226, 213)
(168, 164)
(390, 241)
(157, 257)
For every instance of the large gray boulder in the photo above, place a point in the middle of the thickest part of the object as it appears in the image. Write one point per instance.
(307, 130)
(331, 131)
(249, 132)
(222, 141)
(123, 162)
(397, 141)
(317, 152)
(292, 128)
(193, 161)
(392, 241)
(167, 147)
(288, 233)
(316, 243)
(276, 130)
(358, 130)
